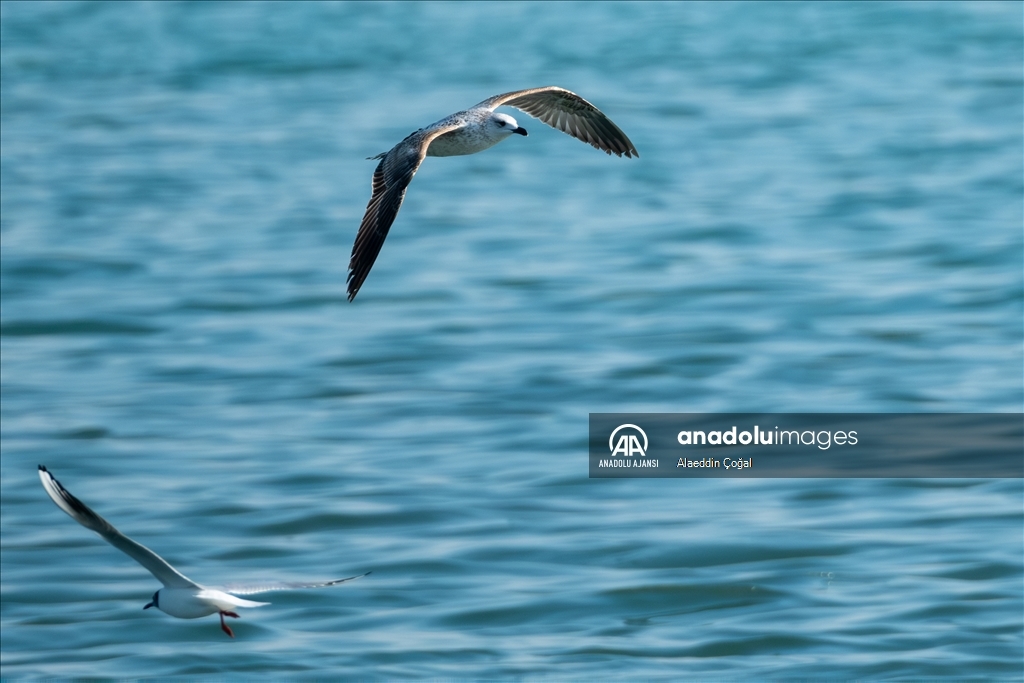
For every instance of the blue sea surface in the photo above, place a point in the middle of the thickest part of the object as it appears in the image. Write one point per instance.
(827, 215)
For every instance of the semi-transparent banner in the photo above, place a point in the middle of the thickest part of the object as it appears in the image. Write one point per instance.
(986, 445)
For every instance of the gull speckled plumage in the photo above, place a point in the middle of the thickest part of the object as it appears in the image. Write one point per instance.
(469, 132)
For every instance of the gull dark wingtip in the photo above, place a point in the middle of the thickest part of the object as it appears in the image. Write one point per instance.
(353, 287)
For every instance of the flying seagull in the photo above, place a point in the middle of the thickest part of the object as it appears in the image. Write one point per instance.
(469, 132)
(180, 597)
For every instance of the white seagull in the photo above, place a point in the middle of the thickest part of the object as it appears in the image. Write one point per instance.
(180, 597)
(469, 132)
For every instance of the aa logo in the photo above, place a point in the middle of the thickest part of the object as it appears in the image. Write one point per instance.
(627, 444)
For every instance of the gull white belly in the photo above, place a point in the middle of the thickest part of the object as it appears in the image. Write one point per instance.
(460, 142)
(192, 603)
(185, 603)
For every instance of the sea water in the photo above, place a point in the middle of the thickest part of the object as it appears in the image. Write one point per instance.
(826, 216)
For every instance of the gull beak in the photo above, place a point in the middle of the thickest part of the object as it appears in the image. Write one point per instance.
(521, 131)
(148, 605)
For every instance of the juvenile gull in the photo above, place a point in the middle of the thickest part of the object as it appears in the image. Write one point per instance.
(469, 132)
(180, 597)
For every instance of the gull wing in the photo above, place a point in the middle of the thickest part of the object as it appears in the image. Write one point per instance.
(81, 513)
(390, 181)
(569, 113)
(284, 586)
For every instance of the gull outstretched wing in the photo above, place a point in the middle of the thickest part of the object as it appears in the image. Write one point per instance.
(283, 585)
(81, 513)
(390, 181)
(569, 113)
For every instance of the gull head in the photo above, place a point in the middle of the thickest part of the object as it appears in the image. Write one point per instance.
(155, 602)
(505, 124)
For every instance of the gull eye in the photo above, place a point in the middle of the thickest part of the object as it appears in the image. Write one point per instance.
(501, 123)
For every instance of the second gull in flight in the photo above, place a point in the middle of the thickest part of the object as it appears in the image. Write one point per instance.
(180, 597)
